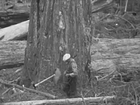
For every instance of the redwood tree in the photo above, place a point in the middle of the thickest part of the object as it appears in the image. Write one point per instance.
(56, 27)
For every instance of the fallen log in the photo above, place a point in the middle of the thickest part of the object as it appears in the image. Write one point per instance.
(64, 101)
(11, 53)
(14, 32)
(110, 55)
(12, 17)
(12, 12)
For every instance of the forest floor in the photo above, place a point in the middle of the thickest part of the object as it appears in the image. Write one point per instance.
(128, 93)
(12, 94)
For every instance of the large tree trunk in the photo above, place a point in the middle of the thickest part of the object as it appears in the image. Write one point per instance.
(56, 27)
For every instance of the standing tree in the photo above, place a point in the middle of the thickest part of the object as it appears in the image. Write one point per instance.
(56, 27)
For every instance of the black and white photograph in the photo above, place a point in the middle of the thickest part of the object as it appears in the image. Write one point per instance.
(69, 52)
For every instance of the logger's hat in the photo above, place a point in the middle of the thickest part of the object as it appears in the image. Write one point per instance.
(66, 57)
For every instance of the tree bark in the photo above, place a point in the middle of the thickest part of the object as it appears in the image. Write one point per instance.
(11, 53)
(15, 32)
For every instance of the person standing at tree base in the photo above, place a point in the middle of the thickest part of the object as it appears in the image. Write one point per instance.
(70, 76)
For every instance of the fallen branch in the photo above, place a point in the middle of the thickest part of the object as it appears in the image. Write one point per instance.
(28, 89)
(63, 101)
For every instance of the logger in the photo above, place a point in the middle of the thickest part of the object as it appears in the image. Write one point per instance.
(70, 76)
